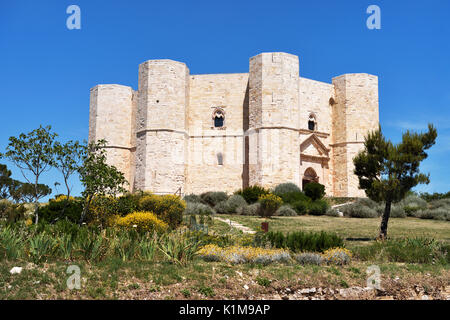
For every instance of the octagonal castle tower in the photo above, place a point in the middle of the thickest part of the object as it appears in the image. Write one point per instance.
(221, 132)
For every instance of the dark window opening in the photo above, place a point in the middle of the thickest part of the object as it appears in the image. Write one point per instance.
(219, 159)
(311, 125)
(218, 121)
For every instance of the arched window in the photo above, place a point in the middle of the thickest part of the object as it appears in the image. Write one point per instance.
(219, 118)
(312, 123)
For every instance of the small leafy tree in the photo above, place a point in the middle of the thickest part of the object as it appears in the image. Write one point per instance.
(387, 171)
(67, 161)
(26, 192)
(33, 153)
(98, 177)
(5, 181)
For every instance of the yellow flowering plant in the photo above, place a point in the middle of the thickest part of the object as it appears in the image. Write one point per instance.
(142, 221)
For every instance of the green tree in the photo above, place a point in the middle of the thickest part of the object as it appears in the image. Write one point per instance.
(33, 153)
(26, 192)
(97, 177)
(5, 181)
(67, 161)
(387, 171)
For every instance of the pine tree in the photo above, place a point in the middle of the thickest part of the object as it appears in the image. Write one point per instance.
(387, 171)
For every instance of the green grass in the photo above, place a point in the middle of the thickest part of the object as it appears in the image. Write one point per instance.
(351, 227)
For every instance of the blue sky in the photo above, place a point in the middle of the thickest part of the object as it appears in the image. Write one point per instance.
(46, 70)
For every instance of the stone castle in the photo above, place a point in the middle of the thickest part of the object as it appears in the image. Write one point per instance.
(220, 132)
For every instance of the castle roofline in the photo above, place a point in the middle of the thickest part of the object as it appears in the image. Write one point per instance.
(354, 74)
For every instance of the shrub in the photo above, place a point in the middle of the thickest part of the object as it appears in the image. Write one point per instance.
(127, 204)
(314, 190)
(250, 210)
(269, 204)
(213, 197)
(13, 212)
(286, 188)
(309, 258)
(300, 241)
(143, 222)
(339, 256)
(293, 197)
(408, 250)
(436, 214)
(4, 206)
(251, 194)
(192, 198)
(200, 209)
(54, 210)
(412, 204)
(397, 211)
(168, 208)
(332, 212)
(238, 254)
(318, 207)
(359, 210)
(230, 205)
(301, 207)
(234, 202)
(286, 211)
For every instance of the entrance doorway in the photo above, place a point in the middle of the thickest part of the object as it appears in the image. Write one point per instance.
(309, 176)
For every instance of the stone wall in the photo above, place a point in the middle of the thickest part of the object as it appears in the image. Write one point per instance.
(216, 154)
(161, 126)
(355, 112)
(111, 117)
(274, 148)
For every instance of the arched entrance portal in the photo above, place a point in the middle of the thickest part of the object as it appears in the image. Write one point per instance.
(309, 176)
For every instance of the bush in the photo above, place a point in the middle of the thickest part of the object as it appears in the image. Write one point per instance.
(53, 211)
(195, 208)
(293, 197)
(309, 258)
(301, 207)
(332, 212)
(408, 250)
(251, 194)
(239, 254)
(168, 208)
(436, 214)
(4, 206)
(231, 205)
(250, 210)
(397, 211)
(318, 207)
(339, 256)
(269, 204)
(300, 241)
(143, 222)
(127, 203)
(412, 204)
(359, 210)
(285, 188)
(315, 191)
(212, 197)
(192, 198)
(285, 211)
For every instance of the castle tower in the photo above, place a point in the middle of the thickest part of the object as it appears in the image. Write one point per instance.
(273, 139)
(161, 126)
(354, 114)
(111, 117)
